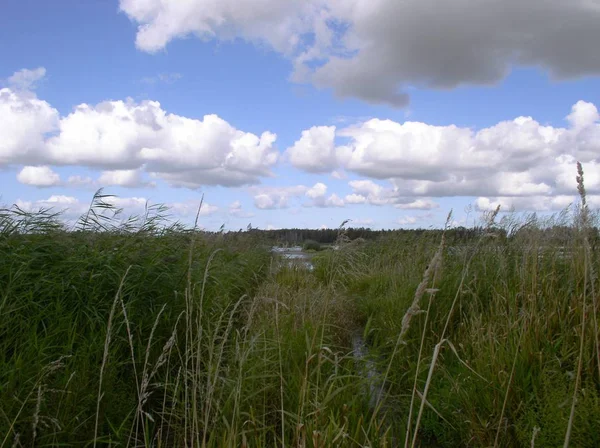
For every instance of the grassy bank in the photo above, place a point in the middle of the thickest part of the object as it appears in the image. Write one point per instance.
(133, 334)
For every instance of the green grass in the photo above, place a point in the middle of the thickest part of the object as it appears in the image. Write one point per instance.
(130, 333)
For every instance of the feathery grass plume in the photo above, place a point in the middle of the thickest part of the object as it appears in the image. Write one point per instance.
(582, 195)
(490, 220)
(589, 266)
(414, 309)
(584, 215)
(36, 414)
(38, 385)
(534, 433)
(432, 292)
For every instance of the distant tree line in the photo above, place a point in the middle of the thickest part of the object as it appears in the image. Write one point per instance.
(455, 235)
(330, 236)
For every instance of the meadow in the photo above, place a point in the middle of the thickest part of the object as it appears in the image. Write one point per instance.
(137, 332)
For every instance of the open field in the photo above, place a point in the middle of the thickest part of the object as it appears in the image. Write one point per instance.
(137, 334)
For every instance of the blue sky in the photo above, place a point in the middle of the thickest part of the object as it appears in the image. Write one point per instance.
(319, 111)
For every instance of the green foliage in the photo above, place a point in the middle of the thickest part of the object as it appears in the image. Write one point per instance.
(169, 336)
(311, 245)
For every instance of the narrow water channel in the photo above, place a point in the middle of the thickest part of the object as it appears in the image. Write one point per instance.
(365, 366)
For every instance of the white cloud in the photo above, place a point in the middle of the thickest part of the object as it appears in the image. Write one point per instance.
(81, 181)
(418, 204)
(315, 151)
(366, 188)
(123, 178)
(517, 158)
(334, 201)
(38, 176)
(318, 194)
(375, 50)
(338, 175)
(276, 22)
(124, 136)
(183, 151)
(367, 191)
(24, 123)
(235, 209)
(355, 199)
(318, 190)
(26, 79)
(268, 202)
(267, 198)
(583, 114)
(537, 203)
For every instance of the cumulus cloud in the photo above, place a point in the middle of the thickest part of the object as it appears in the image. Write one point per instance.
(515, 158)
(318, 194)
(184, 151)
(374, 50)
(236, 209)
(123, 178)
(278, 23)
(318, 190)
(25, 121)
(369, 192)
(268, 198)
(355, 199)
(315, 150)
(38, 176)
(125, 137)
(81, 181)
(333, 200)
(537, 203)
(418, 204)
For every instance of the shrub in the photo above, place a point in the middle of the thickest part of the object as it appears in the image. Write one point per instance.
(311, 245)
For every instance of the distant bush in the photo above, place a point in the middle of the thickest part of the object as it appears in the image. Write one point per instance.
(311, 245)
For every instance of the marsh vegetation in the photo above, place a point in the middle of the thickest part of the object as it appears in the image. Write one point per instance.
(139, 333)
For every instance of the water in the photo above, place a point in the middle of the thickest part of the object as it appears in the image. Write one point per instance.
(367, 369)
(293, 257)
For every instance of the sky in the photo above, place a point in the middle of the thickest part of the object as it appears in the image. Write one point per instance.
(300, 113)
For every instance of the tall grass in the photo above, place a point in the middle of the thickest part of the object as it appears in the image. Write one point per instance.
(134, 332)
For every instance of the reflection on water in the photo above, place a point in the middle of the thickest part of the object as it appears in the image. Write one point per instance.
(293, 257)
